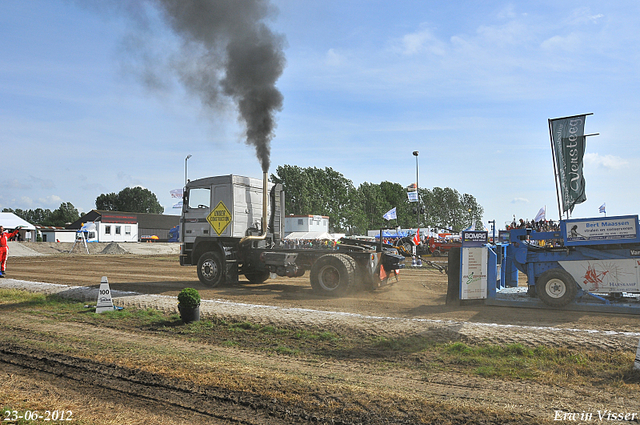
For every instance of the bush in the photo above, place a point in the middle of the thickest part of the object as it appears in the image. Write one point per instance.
(189, 298)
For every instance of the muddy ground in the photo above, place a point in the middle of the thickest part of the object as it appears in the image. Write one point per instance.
(414, 305)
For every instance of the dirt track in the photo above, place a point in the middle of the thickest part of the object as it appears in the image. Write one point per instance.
(418, 293)
(415, 305)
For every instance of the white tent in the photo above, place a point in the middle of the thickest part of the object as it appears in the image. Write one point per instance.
(10, 221)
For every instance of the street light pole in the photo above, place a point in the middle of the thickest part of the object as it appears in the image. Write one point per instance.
(415, 153)
(416, 260)
(185, 168)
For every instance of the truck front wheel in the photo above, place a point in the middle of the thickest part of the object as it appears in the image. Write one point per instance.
(333, 274)
(210, 269)
(556, 287)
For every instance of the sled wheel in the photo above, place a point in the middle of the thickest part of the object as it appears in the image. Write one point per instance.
(556, 287)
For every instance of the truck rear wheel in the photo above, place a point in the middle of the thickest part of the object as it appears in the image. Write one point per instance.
(556, 287)
(437, 253)
(333, 274)
(210, 269)
(257, 277)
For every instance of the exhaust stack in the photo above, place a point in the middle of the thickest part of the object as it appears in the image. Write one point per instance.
(265, 199)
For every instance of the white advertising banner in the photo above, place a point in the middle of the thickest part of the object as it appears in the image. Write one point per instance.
(473, 285)
(600, 229)
(605, 275)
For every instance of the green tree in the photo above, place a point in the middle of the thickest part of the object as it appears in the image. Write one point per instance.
(60, 217)
(107, 202)
(311, 191)
(297, 188)
(372, 207)
(474, 211)
(130, 199)
(316, 191)
(64, 215)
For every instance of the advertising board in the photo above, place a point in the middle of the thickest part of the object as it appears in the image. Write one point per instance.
(473, 279)
(606, 230)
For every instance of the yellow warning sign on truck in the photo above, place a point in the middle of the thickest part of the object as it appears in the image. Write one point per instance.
(219, 218)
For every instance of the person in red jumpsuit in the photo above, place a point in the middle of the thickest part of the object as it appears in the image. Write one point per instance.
(4, 249)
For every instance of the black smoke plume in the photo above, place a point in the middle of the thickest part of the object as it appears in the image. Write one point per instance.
(226, 51)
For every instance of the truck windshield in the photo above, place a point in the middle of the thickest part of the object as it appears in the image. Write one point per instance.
(199, 197)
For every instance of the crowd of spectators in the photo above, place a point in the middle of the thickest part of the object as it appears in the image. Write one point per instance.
(539, 226)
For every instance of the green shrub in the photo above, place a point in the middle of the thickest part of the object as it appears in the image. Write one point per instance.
(189, 298)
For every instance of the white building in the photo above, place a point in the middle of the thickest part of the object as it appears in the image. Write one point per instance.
(110, 231)
(306, 223)
(308, 227)
(56, 234)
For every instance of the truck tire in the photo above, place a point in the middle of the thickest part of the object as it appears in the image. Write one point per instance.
(436, 253)
(210, 269)
(556, 287)
(257, 277)
(405, 245)
(333, 274)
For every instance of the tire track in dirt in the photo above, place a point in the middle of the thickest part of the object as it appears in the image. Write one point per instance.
(326, 378)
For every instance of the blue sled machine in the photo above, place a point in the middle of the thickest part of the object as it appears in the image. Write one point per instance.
(594, 257)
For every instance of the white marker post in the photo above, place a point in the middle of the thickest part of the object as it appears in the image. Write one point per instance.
(636, 364)
(105, 303)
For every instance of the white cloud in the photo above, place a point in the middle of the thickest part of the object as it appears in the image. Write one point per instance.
(512, 33)
(51, 201)
(25, 200)
(334, 58)
(610, 162)
(584, 16)
(568, 43)
(420, 41)
(28, 183)
(15, 184)
(519, 201)
(507, 12)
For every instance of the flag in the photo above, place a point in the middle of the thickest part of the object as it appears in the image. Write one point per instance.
(413, 196)
(391, 214)
(542, 215)
(176, 193)
(416, 238)
(567, 140)
(603, 208)
(178, 205)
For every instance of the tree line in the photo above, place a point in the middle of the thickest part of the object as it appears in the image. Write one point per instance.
(314, 191)
(130, 199)
(355, 210)
(59, 217)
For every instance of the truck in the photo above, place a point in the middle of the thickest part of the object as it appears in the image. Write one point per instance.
(438, 247)
(583, 256)
(234, 225)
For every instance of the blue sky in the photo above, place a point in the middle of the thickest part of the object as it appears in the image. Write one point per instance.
(468, 84)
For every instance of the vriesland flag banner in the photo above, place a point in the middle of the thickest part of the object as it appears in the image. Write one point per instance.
(567, 138)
